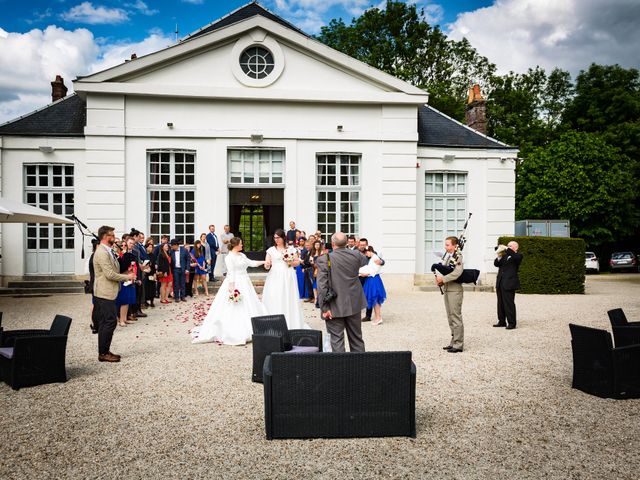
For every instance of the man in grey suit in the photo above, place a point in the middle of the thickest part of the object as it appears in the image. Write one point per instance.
(343, 312)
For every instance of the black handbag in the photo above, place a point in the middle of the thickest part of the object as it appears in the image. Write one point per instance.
(331, 294)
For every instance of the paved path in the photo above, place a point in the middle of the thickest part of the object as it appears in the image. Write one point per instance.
(502, 409)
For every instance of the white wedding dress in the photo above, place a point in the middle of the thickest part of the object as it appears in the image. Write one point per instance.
(280, 294)
(230, 322)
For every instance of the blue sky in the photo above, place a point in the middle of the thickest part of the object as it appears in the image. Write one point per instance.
(133, 19)
(40, 39)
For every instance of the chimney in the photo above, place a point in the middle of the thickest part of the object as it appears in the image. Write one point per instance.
(476, 110)
(58, 89)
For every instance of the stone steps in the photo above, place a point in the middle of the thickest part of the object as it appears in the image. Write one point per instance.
(39, 291)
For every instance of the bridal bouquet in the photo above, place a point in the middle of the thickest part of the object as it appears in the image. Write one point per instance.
(235, 296)
(290, 255)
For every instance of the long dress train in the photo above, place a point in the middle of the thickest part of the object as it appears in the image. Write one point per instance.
(280, 295)
(227, 321)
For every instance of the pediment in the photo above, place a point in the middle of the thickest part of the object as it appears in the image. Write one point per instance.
(212, 60)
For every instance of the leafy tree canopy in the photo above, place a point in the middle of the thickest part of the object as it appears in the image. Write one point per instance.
(526, 109)
(399, 41)
(584, 179)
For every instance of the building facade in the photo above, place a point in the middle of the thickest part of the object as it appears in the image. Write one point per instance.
(252, 123)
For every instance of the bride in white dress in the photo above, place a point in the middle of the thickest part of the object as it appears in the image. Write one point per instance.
(280, 294)
(227, 321)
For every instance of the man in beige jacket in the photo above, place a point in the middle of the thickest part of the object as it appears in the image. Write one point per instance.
(453, 294)
(105, 291)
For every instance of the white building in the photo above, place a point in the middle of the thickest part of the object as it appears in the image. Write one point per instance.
(251, 122)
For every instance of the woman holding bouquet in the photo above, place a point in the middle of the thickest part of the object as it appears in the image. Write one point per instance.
(229, 318)
(280, 294)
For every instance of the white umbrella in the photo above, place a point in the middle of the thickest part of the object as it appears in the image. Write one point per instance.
(16, 212)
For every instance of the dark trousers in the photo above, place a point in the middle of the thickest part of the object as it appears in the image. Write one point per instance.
(308, 281)
(189, 283)
(369, 310)
(506, 306)
(150, 290)
(140, 297)
(178, 284)
(214, 257)
(105, 317)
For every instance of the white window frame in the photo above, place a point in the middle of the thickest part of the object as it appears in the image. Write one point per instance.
(451, 194)
(336, 194)
(49, 232)
(257, 162)
(176, 193)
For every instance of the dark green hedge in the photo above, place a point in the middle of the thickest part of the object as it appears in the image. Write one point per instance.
(550, 264)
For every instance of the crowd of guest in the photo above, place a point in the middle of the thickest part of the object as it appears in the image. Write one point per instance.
(171, 271)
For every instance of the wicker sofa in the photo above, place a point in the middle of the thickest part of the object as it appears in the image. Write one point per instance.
(600, 369)
(329, 395)
(34, 357)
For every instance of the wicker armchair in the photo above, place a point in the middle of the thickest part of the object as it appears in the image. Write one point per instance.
(619, 319)
(270, 334)
(600, 369)
(625, 336)
(34, 357)
(333, 395)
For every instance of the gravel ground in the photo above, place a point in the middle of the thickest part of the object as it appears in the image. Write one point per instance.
(502, 409)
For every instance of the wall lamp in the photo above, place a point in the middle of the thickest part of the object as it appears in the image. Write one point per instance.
(257, 138)
(170, 124)
(46, 149)
(449, 158)
(339, 128)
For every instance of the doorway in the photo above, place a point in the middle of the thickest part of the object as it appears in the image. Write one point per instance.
(254, 214)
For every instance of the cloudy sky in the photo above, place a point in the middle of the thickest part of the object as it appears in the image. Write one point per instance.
(42, 38)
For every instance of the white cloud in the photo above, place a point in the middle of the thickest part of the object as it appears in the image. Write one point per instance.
(115, 54)
(87, 13)
(310, 15)
(570, 34)
(141, 7)
(30, 61)
(433, 13)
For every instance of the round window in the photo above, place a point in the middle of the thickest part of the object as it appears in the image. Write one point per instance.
(256, 62)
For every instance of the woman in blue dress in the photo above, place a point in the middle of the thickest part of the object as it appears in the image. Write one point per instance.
(127, 294)
(373, 287)
(316, 250)
(198, 254)
(300, 271)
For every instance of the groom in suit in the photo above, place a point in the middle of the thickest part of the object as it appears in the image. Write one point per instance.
(343, 312)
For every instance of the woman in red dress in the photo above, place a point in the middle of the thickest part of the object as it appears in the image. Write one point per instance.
(164, 272)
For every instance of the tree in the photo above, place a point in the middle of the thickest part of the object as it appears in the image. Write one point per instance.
(400, 42)
(526, 109)
(582, 178)
(606, 96)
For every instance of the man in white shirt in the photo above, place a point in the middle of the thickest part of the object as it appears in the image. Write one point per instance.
(224, 247)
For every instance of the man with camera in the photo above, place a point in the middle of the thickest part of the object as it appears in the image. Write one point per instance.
(338, 271)
(508, 262)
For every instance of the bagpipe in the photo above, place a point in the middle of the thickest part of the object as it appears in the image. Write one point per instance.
(469, 275)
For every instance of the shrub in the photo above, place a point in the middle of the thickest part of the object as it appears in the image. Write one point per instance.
(550, 265)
